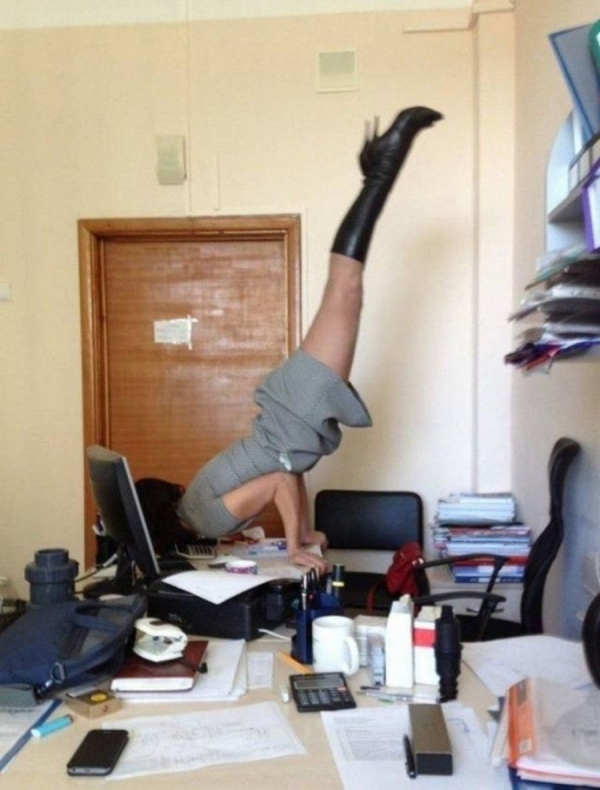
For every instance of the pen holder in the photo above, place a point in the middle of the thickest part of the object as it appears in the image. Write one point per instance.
(302, 639)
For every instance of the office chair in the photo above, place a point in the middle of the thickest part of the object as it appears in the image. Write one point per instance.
(544, 550)
(364, 529)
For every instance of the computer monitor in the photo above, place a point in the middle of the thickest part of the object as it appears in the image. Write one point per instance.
(122, 518)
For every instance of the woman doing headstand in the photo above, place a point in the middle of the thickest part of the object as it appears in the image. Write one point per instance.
(303, 401)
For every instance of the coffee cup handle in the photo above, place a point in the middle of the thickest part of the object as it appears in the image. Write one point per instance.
(352, 665)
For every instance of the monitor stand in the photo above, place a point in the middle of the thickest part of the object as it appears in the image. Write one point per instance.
(124, 582)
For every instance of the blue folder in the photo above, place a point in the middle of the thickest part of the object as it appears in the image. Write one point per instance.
(574, 53)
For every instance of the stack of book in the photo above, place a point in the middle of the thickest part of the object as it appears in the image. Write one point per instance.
(139, 674)
(481, 524)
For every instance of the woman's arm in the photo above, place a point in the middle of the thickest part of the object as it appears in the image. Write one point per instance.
(288, 493)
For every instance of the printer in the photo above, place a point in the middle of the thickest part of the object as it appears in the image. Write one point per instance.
(241, 617)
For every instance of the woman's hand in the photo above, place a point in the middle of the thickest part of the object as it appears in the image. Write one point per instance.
(312, 537)
(307, 559)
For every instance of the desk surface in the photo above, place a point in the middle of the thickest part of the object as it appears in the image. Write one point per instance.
(41, 764)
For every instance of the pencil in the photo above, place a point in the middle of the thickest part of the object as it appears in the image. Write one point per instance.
(305, 670)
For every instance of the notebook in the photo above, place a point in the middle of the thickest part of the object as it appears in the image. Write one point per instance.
(139, 674)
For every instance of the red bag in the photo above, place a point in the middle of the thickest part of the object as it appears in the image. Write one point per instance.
(400, 577)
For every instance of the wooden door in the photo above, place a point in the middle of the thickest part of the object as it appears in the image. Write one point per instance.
(181, 319)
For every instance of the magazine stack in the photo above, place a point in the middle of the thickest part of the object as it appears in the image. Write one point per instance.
(483, 524)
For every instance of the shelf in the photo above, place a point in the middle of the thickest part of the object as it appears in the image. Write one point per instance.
(565, 232)
(570, 209)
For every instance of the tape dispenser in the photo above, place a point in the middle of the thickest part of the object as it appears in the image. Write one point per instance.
(157, 641)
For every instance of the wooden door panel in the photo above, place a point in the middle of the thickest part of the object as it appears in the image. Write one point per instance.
(169, 407)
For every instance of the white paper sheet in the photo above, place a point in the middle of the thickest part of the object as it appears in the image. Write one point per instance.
(216, 585)
(368, 750)
(503, 662)
(196, 740)
(260, 670)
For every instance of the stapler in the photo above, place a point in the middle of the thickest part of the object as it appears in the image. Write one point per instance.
(158, 641)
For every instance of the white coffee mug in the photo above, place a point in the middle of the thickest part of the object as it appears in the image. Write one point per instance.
(333, 645)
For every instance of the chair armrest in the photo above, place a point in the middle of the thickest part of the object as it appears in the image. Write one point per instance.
(499, 561)
(489, 604)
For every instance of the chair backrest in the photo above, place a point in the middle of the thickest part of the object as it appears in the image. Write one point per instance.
(380, 520)
(546, 545)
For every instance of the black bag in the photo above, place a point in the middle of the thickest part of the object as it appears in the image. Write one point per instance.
(65, 644)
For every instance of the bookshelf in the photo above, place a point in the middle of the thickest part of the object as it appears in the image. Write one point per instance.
(565, 176)
(564, 317)
(563, 298)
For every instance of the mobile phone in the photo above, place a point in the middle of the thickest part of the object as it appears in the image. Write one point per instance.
(98, 752)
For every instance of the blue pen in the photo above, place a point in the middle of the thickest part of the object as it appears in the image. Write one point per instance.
(51, 726)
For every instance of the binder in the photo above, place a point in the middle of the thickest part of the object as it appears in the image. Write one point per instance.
(574, 54)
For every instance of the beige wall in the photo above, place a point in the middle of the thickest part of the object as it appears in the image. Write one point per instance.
(81, 108)
(566, 401)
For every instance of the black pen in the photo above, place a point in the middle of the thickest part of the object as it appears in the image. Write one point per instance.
(411, 768)
(313, 590)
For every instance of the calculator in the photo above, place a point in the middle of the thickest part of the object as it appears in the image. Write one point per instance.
(321, 691)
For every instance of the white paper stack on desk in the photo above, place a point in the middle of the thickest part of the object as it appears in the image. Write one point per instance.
(554, 732)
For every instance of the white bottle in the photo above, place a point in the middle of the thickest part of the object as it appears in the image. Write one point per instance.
(399, 667)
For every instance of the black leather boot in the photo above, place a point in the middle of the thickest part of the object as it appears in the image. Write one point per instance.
(380, 161)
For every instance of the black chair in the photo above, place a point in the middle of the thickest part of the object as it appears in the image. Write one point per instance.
(543, 553)
(364, 529)
(350, 521)
(481, 626)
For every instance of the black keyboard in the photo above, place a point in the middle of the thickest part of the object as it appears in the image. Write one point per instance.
(171, 563)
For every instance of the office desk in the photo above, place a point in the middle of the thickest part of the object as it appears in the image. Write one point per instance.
(41, 764)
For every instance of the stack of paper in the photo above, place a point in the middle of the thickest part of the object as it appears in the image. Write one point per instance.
(481, 524)
(492, 508)
(566, 294)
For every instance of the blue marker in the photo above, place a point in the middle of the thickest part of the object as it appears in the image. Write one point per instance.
(51, 726)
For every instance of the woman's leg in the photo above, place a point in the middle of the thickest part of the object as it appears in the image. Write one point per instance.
(333, 333)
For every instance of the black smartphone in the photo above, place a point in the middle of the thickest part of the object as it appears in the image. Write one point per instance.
(98, 752)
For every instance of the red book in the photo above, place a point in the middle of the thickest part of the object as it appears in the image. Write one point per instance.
(139, 674)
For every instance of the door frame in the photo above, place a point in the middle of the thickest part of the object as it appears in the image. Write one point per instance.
(93, 234)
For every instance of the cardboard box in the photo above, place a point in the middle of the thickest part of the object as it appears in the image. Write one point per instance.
(93, 704)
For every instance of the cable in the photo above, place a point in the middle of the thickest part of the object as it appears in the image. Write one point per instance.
(110, 561)
(274, 633)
